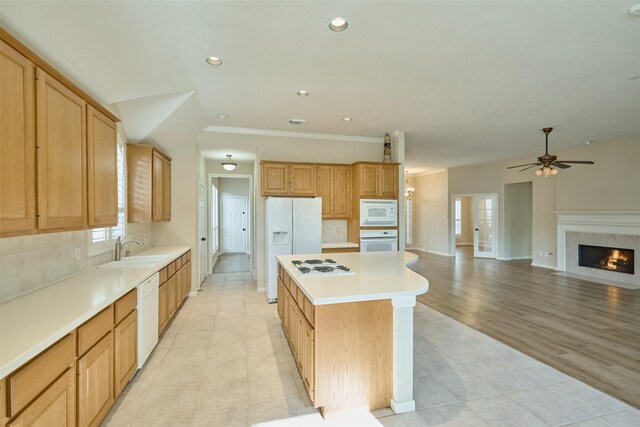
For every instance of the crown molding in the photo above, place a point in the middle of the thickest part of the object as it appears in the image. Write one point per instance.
(293, 134)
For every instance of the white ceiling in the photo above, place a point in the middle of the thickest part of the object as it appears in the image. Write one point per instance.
(467, 81)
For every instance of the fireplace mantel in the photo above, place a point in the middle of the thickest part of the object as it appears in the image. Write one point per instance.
(618, 222)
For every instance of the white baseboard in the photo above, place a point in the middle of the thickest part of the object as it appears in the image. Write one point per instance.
(413, 248)
(438, 253)
(514, 258)
(193, 294)
(522, 257)
(550, 267)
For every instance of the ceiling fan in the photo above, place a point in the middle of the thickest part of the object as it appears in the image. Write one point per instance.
(548, 162)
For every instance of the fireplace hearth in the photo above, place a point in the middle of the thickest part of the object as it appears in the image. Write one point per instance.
(618, 260)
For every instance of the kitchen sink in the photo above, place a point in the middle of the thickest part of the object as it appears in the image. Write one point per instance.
(143, 261)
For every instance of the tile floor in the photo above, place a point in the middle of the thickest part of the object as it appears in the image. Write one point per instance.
(224, 361)
(231, 263)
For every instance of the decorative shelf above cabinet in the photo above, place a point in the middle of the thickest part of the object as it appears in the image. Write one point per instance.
(148, 184)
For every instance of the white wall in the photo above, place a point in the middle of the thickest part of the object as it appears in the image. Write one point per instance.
(518, 220)
(430, 212)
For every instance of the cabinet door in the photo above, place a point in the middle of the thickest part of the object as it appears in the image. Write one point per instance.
(342, 192)
(303, 180)
(171, 296)
(369, 181)
(300, 360)
(293, 327)
(102, 169)
(389, 181)
(187, 279)
(179, 286)
(126, 350)
(285, 311)
(17, 143)
(280, 298)
(61, 155)
(309, 358)
(275, 179)
(325, 189)
(56, 407)
(95, 383)
(166, 211)
(157, 185)
(163, 307)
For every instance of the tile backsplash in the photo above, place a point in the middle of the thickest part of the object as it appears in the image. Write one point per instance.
(30, 262)
(334, 230)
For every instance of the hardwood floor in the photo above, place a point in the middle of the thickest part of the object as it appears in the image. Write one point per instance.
(587, 330)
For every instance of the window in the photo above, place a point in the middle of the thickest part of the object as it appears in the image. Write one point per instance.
(458, 216)
(101, 239)
(409, 220)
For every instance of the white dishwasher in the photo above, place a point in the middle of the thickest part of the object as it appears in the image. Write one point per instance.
(147, 317)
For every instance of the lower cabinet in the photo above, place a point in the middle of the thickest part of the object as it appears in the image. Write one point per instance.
(56, 407)
(308, 357)
(125, 337)
(95, 382)
(171, 296)
(163, 307)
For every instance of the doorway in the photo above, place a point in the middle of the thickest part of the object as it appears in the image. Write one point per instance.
(202, 232)
(233, 219)
(475, 223)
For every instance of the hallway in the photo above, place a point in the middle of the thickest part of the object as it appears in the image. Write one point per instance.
(232, 263)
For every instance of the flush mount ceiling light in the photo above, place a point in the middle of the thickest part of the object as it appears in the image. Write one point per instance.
(223, 116)
(347, 119)
(338, 24)
(214, 60)
(303, 93)
(229, 164)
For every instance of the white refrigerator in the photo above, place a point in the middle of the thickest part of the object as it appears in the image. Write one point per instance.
(293, 226)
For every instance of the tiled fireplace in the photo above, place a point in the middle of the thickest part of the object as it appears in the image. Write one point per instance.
(600, 245)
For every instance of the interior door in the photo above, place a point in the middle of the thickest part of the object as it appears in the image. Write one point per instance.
(202, 231)
(234, 224)
(485, 215)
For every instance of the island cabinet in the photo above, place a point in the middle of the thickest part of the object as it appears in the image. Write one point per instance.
(375, 180)
(340, 366)
(57, 151)
(288, 179)
(333, 185)
(148, 184)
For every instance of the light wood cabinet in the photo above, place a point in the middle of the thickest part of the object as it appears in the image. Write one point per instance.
(17, 147)
(308, 359)
(61, 143)
(56, 407)
(303, 179)
(179, 286)
(57, 149)
(293, 326)
(102, 169)
(95, 383)
(375, 180)
(333, 185)
(163, 307)
(148, 184)
(288, 179)
(171, 296)
(125, 336)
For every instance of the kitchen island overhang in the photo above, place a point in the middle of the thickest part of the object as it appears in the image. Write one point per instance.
(352, 336)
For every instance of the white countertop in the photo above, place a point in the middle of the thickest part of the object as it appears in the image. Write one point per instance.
(339, 245)
(32, 322)
(378, 275)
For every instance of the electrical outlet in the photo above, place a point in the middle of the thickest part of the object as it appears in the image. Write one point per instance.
(76, 253)
(145, 237)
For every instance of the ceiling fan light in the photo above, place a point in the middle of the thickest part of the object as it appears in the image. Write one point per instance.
(538, 172)
(554, 171)
(228, 163)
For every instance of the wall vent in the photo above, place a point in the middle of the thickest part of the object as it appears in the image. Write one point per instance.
(297, 122)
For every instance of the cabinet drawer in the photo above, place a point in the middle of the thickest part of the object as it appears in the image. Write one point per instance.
(171, 269)
(188, 255)
(184, 259)
(285, 279)
(163, 275)
(126, 305)
(91, 332)
(178, 262)
(35, 377)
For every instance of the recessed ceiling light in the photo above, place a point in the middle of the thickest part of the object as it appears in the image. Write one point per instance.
(635, 77)
(223, 116)
(303, 93)
(347, 119)
(588, 142)
(214, 60)
(338, 24)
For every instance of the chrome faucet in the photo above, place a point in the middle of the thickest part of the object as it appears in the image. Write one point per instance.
(120, 245)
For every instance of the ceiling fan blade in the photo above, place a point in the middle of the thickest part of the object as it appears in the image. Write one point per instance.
(528, 167)
(560, 165)
(519, 166)
(577, 162)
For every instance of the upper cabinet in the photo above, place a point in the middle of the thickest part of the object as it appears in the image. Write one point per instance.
(61, 156)
(288, 179)
(58, 149)
(17, 147)
(148, 184)
(102, 169)
(333, 185)
(376, 180)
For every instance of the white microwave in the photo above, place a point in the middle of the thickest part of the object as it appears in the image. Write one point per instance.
(378, 213)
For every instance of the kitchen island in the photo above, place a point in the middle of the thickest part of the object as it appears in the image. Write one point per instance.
(352, 333)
